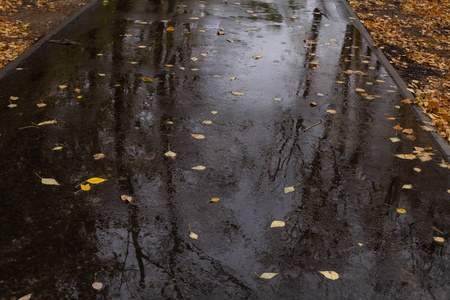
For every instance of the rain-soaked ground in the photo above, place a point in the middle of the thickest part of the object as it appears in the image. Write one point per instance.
(346, 214)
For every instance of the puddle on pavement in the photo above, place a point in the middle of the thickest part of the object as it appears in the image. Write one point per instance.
(56, 241)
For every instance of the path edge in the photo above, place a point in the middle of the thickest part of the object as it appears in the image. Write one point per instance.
(12, 65)
(444, 146)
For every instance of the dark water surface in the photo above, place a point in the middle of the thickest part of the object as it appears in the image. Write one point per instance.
(55, 242)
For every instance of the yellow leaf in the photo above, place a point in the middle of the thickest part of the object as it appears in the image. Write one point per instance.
(12, 105)
(47, 123)
(170, 154)
(57, 148)
(26, 297)
(207, 122)
(147, 80)
(267, 275)
(62, 86)
(331, 111)
(49, 181)
(101, 74)
(95, 180)
(360, 244)
(406, 156)
(170, 29)
(277, 224)
(418, 170)
(97, 285)
(13, 98)
(401, 210)
(126, 198)
(85, 187)
(99, 156)
(198, 136)
(391, 118)
(289, 189)
(191, 234)
(41, 104)
(213, 200)
(395, 139)
(200, 168)
(360, 90)
(330, 274)
(320, 94)
(407, 186)
(214, 112)
(256, 56)
(231, 41)
(232, 77)
(237, 93)
(439, 239)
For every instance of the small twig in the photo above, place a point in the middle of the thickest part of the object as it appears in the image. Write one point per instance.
(29, 127)
(289, 218)
(309, 127)
(220, 149)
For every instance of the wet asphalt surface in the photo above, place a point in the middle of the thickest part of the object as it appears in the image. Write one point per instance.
(55, 241)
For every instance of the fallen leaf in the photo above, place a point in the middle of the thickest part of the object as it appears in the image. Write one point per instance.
(320, 94)
(191, 234)
(126, 198)
(289, 189)
(170, 154)
(101, 74)
(170, 29)
(277, 224)
(62, 86)
(330, 274)
(47, 122)
(418, 170)
(57, 148)
(207, 122)
(194, 58)
(193, 18)
(439, 239)
(406, 156)
(95, 180)
(12, 105)
(212, 200)
(426, 128)
(313, 104)
(360, 244)
(200, 168)
(360, 90)
(256, 56)
(77, 91)
(204, 54)
(26, 297)
(267, 275)
(231, 41)
(237, 93)
(41, 104)
(407, 186)
(97, 285)
(408, 131)
(198, 136)
(147, 80)
(401, 210)
(232, 77)
(277, 99)
(49, 181)
(398, 127)
(411, 137)
(214, 112)
(85, 187)
(331, 111)
(99, 156)
(395, 139)
(220, 32)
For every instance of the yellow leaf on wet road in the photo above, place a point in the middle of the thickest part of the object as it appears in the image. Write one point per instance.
(198, 136)
(289, 189)
(95, 180)
(330, 274)
(85, 187)
(200, 168)
(401, 210)
(267, 275)
(277, 224)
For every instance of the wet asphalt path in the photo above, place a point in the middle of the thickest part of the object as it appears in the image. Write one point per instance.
(255, 82)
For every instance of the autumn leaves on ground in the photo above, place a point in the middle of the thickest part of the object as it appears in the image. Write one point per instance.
(415, 35)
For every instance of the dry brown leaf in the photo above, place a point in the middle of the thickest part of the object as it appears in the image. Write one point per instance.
(408, 131)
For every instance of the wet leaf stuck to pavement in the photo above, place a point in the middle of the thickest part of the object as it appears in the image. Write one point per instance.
(126, 198)
(192, 235)
(267, 275)
(198, 136)
(97, 286)
(332, 275)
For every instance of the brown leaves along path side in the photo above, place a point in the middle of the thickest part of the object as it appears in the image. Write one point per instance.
(23, 23)
(415, 35)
